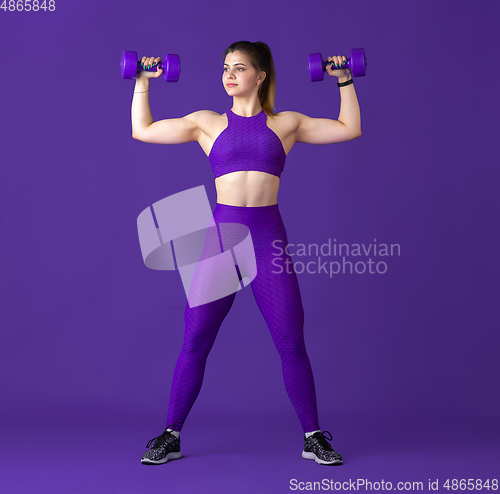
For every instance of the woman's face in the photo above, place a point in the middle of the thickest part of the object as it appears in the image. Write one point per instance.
(239, 77)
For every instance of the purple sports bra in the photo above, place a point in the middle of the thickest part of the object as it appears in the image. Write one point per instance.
(247, 143)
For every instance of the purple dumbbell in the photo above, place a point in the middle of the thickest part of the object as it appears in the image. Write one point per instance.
(171, 66)
(317, 67)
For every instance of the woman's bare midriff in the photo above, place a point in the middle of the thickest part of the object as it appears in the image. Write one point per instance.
(247, 188)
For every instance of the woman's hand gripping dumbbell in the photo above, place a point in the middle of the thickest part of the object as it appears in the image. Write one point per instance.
(148, 63)
(335, 66)
(339, 66)
(149, 67)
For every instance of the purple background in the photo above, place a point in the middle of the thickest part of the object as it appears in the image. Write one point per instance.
(405, 363)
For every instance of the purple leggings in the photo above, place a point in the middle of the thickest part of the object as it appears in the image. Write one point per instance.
(278, 298)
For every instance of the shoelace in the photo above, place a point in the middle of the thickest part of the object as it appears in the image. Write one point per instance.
(322, 440)
(163, 435)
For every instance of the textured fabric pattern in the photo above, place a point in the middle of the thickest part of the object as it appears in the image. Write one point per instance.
(278, 297)
(317, 448)
(247, 143)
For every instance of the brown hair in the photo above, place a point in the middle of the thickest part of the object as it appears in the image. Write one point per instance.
(262, 60)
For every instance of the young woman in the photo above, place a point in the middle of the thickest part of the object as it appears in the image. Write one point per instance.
(247, 148)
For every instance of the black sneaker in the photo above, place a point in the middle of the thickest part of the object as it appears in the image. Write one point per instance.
(317, 448)
(165, 447)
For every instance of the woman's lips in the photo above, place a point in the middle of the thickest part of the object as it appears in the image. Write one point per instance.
(231, 85)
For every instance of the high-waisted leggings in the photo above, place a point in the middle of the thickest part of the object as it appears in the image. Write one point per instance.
(277, 294)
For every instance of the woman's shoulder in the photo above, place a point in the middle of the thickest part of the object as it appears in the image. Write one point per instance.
(207, 120)
(288, 120)
(204, 117)
(205, 114)
(290, 115)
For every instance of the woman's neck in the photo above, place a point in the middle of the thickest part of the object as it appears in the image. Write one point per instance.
(246, 108)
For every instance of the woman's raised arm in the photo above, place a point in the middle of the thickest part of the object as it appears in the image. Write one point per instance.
(168, 131)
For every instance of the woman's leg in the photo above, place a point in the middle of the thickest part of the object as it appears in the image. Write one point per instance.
(202, 323)
(278, 297)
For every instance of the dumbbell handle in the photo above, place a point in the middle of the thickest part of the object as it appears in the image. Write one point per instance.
(152, 69)
(346, 65)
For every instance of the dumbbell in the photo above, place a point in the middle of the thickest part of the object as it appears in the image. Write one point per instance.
(130, 66)
(317, 67)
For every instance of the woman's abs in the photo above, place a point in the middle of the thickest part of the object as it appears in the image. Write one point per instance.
(247, 188)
